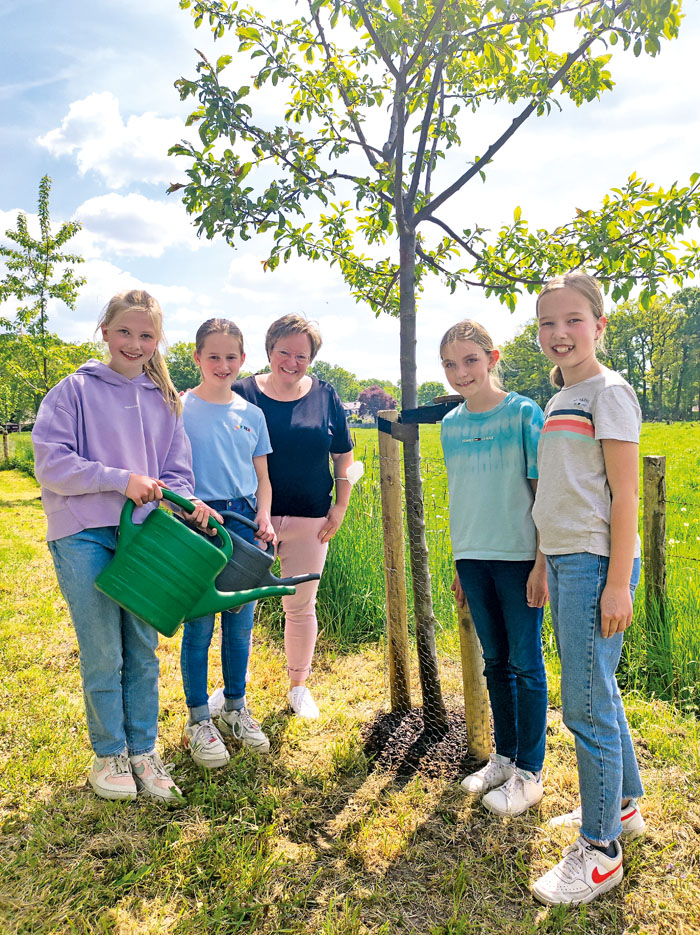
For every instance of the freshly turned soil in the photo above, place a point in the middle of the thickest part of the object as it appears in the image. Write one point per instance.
(397, 743)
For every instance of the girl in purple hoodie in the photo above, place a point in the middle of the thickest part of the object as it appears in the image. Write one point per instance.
(103, 434)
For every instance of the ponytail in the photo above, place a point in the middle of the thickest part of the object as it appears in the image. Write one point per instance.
(158, 372)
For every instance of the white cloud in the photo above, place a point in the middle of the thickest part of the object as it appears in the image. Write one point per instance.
(122, 153)
(133, 225)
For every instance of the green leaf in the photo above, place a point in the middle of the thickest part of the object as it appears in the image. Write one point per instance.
(516, 214)
(395, 7)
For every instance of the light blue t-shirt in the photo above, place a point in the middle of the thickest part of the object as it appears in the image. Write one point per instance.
(489, 458)
(225, 437)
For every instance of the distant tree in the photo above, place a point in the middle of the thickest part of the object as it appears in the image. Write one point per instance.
(390, 388)
(342, 381)
(427, 391)
(524, 367)
(374, 399)
(687, 372)
(30, 282)
(184, 372)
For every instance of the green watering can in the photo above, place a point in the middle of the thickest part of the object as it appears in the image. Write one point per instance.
(163, 572)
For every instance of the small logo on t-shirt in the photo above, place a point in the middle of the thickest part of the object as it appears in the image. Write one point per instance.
(480, 438)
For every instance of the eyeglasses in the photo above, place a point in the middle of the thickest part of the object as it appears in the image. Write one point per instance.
(299, 358)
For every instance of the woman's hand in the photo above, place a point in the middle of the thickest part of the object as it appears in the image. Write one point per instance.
(142, 489)
(334, 521)
(456, 586)
(537, 592)
(615, 609)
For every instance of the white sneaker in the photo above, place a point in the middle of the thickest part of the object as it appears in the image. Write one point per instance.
(153, 779)
(205, 744)
(633, 824)
(516, 795)
(243, 727)
(497, 770)
(301, 702)
(583, 873)
(111, 777)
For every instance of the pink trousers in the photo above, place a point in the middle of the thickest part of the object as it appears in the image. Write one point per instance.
(300, 551)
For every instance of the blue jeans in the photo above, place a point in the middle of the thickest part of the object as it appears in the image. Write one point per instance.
(591, 703)
(118, 662)
(235, 636)
(510, 635)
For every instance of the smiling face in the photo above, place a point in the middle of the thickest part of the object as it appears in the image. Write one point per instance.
(290, 359)
(219, 359)
(569, 332)
(468, 368)
(132, 339)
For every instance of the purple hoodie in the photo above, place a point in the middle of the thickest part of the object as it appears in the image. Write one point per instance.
(93, 430)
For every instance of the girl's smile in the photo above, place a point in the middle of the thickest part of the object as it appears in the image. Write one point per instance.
(468, 368)
(132, 340)
(569, 333)
(219, 361)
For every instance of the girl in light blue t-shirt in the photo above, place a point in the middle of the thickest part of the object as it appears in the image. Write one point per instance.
(230, 444)
(490, 448)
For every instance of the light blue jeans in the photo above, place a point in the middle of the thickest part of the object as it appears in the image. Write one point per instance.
(591, 703)
(118, 663)
(235, 637)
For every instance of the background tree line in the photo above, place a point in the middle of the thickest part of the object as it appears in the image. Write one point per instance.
(657, 350)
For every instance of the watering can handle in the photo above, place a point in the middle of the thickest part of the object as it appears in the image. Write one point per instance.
(249, 523)
(188, 507)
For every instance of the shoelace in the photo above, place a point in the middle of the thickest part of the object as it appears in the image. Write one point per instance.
(248, 720)
(158, 766)
(572, 866)
(120, 765)
(205, 733)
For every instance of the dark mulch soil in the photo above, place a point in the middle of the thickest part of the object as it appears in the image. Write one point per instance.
(398, 743)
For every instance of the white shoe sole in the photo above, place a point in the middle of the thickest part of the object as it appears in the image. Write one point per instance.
(114, 795)
(551, 900)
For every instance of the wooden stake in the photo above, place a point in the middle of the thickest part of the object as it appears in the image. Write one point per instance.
(394, 567)
(476, 699)
(655, 536)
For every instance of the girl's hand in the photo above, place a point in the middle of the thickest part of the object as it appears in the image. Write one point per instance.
(142, 489)
(537, 592)
(615, 609)
(200, 516)
(334, 520)
(266, 532)
(458, 592)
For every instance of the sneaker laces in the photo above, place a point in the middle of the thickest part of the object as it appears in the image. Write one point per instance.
(206, 732)
(120, 764)
(158, 766)
(493, 768)
(572, 866)
(248, 720)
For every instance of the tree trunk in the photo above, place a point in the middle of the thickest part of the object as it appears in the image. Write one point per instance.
(434, 712)
(679, 386)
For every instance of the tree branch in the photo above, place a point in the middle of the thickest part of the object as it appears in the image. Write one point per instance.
(426, 35)
(515, 125)
(425, 127)
(386, 58)
(433, 149)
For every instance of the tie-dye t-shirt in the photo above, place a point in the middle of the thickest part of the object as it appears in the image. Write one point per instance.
(572, 507)
(489, 457)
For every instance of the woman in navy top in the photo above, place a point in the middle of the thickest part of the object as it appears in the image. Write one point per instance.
(308, 430)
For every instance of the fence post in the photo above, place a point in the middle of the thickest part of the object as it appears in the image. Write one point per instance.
(476, 699)
(394, 567)
(655, 536)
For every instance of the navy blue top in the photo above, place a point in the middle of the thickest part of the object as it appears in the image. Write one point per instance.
(303, 433)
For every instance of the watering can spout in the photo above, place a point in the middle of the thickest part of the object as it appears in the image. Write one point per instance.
(220, 601)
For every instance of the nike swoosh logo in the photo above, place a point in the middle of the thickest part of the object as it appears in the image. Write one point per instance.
(598, 877)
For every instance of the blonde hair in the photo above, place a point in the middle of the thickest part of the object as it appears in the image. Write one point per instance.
(589, 288)
(293, 324)
(469, 330)
(217, 326)
(156, 369)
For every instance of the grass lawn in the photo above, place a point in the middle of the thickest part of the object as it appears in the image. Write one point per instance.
(308, 839)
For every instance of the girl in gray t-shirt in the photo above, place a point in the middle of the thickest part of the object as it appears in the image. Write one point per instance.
(586, 513)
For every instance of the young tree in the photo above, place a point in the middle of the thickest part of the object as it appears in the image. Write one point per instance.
(30, 280)
(373, 400)
(359, 154)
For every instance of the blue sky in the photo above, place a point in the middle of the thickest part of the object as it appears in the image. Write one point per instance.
(87, 97)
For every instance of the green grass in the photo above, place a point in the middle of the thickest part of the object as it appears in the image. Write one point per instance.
(307, 840)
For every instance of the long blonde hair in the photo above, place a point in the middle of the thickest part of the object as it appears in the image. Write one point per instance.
(589, 288)
(468, 330)
(141, 301)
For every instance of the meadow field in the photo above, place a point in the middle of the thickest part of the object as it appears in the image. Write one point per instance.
(315, 839)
